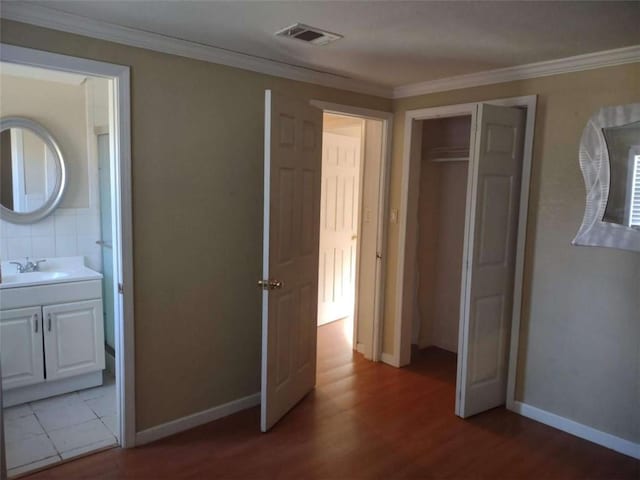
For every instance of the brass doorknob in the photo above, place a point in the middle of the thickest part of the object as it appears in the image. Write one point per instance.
(269, 284)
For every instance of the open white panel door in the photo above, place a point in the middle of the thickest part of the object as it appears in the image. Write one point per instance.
(490, 250)
(292, 168)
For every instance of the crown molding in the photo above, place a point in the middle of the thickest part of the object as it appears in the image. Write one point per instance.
(71, 23)
(606, 58)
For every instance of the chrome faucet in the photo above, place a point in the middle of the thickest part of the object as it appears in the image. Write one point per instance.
(28, 266)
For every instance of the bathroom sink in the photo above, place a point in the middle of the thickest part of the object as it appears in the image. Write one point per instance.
(57, 270)
(33, 277)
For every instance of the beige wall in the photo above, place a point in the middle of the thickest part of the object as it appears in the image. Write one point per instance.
(61, 109)
(580, 335)
(197, 158)
(342, 125)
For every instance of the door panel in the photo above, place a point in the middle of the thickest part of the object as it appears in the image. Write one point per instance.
(491, 231)
(283, 314)
(339, 225)
(293, 139)
(488, 325)
(73, 338)
(308, 301)
(369, 249)
(495, 219)
(21, 347)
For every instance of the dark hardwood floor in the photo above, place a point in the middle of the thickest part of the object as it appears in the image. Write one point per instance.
(364, 420)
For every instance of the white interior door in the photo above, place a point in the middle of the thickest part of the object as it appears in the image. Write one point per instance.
(369, 250)
(339, 209)
(491, 229)
(292, 168)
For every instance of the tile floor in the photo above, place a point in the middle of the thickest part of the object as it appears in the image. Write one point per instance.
(58, 428)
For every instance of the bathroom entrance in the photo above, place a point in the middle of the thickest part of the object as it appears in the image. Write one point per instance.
(64, 238)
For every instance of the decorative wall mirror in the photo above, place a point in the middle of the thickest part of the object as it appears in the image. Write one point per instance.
(32, 171)
(610, 162)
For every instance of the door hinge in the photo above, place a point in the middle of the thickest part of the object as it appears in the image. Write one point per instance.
(120, 289)
(269, 284)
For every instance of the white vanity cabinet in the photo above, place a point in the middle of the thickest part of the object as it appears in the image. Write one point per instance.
(53, 347)
(73, 338)
(21, 347)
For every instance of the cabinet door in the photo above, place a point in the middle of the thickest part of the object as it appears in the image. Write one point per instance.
(21, 347)
(73, 338)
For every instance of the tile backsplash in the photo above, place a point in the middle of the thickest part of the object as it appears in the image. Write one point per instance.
(68, 232)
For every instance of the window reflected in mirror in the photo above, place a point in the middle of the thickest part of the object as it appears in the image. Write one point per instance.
(623, 146)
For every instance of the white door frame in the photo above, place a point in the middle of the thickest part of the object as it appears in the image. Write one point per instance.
(119, 119)
(383, 194)
(402, 334)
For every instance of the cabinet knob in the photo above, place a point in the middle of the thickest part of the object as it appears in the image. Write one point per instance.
(49, 322)
(35, 323)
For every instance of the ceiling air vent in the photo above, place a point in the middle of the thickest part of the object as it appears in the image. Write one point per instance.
(308, 34)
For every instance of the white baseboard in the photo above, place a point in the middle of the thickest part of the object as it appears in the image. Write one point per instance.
(618, 444)
(390, 359)
(441, 345)
(195, 420)
(452, 348)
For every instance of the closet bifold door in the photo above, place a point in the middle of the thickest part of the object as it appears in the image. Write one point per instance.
(21, 347)
(490, 237)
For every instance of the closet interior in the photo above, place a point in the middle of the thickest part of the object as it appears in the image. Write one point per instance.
(442, 198)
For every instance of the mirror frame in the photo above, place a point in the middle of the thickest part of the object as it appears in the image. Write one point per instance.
(594, 163)
(61, 175)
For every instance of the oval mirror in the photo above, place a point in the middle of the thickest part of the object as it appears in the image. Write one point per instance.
(32, 171)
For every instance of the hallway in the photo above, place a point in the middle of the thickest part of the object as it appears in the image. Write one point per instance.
(364, 420)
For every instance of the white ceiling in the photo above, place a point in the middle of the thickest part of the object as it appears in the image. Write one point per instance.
(388, 43)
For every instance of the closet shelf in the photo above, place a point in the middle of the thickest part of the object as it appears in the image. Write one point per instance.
(448, 154)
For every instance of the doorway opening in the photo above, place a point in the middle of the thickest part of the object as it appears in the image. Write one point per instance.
(350, 208)
(465, 196)
(66, 318)
(293, 184)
